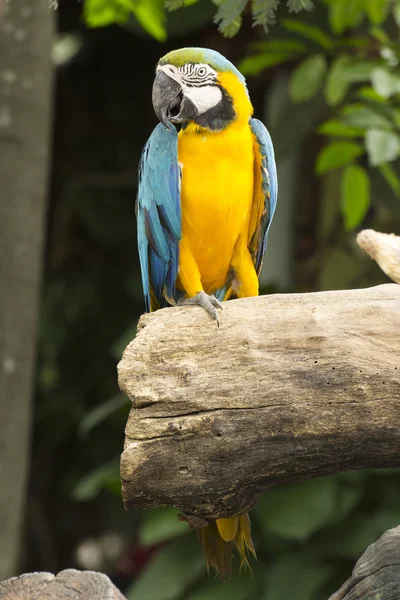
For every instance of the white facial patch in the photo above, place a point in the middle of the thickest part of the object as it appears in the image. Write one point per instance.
(203, 98)
(197, 82)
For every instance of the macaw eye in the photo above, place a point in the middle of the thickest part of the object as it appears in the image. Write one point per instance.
(202, 71)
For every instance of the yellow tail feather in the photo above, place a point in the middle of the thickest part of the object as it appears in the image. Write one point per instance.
(219, 539)
(227, 528)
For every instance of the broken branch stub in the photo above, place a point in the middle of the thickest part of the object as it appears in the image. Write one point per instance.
(384, 248)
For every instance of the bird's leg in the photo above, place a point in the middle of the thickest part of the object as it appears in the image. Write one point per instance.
(246, 280)
(207, 301)
(190, 281)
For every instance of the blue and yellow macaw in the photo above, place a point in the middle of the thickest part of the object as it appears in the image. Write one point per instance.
(206, 199)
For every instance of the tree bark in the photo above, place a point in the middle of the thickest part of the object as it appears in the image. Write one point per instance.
(26, 29)
(376, 575)
(289, 387)
(67, 585)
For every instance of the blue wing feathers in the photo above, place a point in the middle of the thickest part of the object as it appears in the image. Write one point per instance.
(159, 211)
(269, 184)
(159, 215)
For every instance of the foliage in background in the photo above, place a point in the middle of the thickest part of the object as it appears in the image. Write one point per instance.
(354, 62)
(342, 59)
(314, 531)
(151, 13)
(353, 58)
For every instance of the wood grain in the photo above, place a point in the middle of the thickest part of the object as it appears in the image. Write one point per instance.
(289, 387)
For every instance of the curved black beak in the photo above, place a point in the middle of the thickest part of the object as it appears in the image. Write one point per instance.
(170, 105)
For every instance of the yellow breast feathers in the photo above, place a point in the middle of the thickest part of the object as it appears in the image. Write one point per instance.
(216, 201)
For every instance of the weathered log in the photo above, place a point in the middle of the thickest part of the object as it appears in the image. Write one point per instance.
(376, 575)
(67, 585)
(384, 248)
(289, 387)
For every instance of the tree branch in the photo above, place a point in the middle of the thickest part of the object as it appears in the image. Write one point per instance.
(289, 387)
(80, 585)
(377, 573)
(384, 248)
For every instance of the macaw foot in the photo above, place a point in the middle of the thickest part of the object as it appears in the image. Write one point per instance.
(208, 302)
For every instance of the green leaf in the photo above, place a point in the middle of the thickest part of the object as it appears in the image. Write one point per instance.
(396, 116)
(104, 477)
(396, 11)
(310, 32)
(151, 17)
(228, 17)
(100, 13)
(382, 146)
(355, 196)
(353, 42)
(336, 128)
(344, 71)
(360, 70)
(307, 78)
(345, 14)
(101, 413)
(337, 154)
(384, 82)
(368, 93)
(264, 12)
(293, 576)
(380, 35)
(297, 511)
(391, 177)
(337, 83)
(159, 525)
(253, 65)
(298, 5)
(365, 117)
(176, 567)
(271, 53)
(175, 4)
(377, 10)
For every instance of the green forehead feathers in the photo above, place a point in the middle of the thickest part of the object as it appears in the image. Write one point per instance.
(219, 63)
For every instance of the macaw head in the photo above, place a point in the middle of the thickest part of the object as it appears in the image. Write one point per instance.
(200, 87)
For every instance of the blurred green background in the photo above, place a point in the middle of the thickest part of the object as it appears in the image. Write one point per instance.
(326, 82)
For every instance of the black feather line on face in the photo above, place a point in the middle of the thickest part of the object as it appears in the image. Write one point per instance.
(220, 115)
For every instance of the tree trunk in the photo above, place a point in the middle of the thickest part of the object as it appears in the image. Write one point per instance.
(289, 387)
(26, 30)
